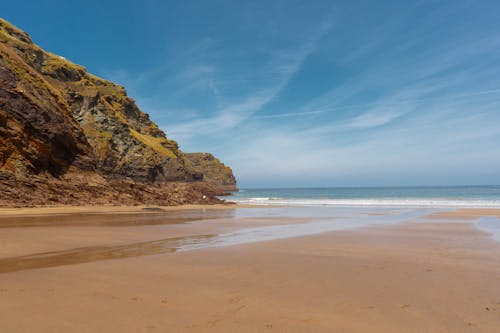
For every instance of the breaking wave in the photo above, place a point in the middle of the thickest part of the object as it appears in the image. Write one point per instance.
(379, 202)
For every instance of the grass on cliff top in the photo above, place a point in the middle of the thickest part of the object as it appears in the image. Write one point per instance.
(29, 79)
(53, 62)
(157, 144)
(16, 37)
(13, 32)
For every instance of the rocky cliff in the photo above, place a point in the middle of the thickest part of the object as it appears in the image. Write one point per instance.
(58, 122)
(214, 171)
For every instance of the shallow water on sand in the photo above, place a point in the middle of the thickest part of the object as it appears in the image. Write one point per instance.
(323, 220)
(280, 223)
(154, 217)
(490, 225)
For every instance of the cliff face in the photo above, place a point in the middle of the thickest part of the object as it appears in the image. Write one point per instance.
(214, 171)
(122, 139)
(57, 120)
(37, 132)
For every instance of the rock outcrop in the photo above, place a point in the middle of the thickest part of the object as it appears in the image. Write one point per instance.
(214, 171)
(57, 121)
(90, 189)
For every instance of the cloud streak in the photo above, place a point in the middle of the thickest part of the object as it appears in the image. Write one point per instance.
(282, 66)
(379, 94)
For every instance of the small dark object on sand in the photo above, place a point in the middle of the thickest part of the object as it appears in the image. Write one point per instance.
(153, 209)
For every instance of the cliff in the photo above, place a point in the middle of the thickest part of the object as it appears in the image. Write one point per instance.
(214, 171)
(37, 132)
(61, 125)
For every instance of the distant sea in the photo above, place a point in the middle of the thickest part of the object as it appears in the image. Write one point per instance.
(432, 196)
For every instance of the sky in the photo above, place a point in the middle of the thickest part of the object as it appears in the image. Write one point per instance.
(301, 93)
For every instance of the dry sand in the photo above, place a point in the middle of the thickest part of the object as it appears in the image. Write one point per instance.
(425, 277)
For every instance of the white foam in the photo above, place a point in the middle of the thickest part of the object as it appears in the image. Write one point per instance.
(264, 199)
(382, 202)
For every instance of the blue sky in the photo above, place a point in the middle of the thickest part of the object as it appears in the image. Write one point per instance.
(301, 93)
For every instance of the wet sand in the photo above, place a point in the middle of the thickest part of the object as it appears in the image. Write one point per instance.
(467, 213)
(111, 209)
(411, 277)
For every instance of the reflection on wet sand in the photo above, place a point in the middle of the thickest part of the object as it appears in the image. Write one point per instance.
(96, 253)
(152, 217)
(137, 247)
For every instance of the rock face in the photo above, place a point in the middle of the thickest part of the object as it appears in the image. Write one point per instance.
(90, 189)
(57, 120)
(37, 132)
(213, 170)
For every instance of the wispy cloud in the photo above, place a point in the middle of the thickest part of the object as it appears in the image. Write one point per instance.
(375, 118)
(384, 94)
(384, 110)
(278, 71)
(428, 145)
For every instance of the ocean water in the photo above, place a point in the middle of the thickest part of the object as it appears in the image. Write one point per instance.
(431, 197)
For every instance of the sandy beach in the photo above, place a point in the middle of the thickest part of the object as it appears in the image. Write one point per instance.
(99, 273)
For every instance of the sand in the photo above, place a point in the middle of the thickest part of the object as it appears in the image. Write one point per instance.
(111, 209)
(412, 277)
(467, 213)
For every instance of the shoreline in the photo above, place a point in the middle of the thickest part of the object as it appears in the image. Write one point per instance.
(47, 210)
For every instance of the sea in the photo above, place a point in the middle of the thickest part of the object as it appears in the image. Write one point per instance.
(431, 196)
